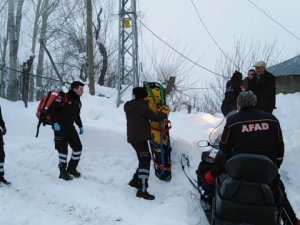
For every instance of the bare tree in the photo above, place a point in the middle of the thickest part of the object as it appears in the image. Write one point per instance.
(102, 50)
(14, 23)
(170, 68)
(3, 49)
(33, 45)
(89, 35)
(48, 8)
(2, 5)
(244, 57)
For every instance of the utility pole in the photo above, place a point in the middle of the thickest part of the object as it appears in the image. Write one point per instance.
(128, 73)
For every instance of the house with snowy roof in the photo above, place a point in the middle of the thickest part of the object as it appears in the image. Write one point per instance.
(287, 75)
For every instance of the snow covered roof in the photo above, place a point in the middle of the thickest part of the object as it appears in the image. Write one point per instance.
(288, 67)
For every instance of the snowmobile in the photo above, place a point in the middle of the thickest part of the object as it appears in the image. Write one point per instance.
(242, 195)
(160, 144)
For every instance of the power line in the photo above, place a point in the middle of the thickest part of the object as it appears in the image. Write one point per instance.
(196, 88)
(264, 12)
(211, 36)
(33, 75)
(148, 52)
(155, 68)
(171, 47)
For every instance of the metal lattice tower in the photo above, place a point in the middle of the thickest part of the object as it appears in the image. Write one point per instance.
(128, 72)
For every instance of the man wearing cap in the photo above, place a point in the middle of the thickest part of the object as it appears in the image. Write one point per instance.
(138, 115)
(265, 88)
(253, 131)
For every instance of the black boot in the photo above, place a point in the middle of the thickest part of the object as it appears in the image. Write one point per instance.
(134, 181)
(142, 188)
(3, 181)
(145, 195)
(64, 175)
(74, 172)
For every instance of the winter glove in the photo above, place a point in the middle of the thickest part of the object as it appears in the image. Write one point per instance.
(165, 109)
(278, 162)
(3, 130)
(207, 191)
(209, 178)
(80, 130)
(56, 127)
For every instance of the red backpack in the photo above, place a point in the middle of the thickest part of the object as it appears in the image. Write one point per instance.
(43, 113)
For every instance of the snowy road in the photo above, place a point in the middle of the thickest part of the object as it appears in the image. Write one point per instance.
(101, 195)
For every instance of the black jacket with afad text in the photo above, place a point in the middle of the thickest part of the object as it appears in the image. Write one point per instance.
(266, 92)
(66, 109)
(250, 131)
(138, 115)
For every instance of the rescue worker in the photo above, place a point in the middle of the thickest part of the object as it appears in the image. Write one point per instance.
(2, 153)
(138, 115)
(253, 131)
(66, 111)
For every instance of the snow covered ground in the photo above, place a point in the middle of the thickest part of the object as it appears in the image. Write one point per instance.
(101, 195)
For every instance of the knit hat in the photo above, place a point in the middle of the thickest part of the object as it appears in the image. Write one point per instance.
(246, 99)
(237, 76)
(260, 64)
(139, 92)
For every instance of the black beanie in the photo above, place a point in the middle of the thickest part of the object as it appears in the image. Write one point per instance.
(139, 92)
(238, 76)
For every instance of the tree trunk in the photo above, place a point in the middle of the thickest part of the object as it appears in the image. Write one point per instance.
(3, 62)
(103, 70)
(90, 57)
(102, 50)
(18, 21)
(33, 45)
(12, 82)
(40, 66)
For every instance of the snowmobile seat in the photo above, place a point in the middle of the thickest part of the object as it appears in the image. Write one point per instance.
(243, 194)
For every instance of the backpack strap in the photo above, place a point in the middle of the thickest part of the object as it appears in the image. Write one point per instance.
(38, 128)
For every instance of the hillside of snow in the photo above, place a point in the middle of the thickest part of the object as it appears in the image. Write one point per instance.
(101, 195)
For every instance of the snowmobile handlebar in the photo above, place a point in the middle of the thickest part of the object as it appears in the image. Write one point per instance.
(205, 143)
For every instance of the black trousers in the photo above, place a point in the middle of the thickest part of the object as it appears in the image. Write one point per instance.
(2, 156)
(288, 215)
(143, 170)
(68, 136)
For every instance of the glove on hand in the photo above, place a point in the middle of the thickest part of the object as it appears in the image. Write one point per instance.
(56, 127)
(165, 109)
(209, 178)
(3, 130)
(80, 130)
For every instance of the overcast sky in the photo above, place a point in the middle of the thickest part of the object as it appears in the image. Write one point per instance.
(227, 20)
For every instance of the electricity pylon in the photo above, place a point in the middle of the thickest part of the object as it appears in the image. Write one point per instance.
(128, 72)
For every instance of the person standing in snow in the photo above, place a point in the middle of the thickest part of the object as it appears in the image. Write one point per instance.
(2, 153)
(253, 131)
(249, 82)
(233, 88)
(265, 88)
(66, 111)
(138, 115)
